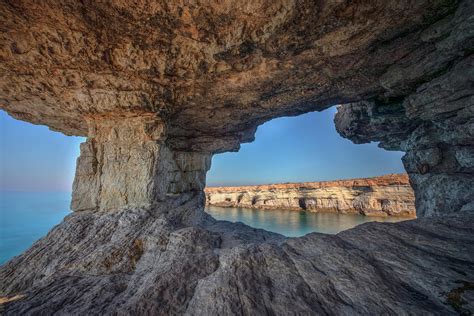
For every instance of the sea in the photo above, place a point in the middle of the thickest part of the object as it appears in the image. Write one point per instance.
(27, 216)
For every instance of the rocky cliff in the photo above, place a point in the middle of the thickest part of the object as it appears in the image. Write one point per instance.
(389, 195)
(159, 86)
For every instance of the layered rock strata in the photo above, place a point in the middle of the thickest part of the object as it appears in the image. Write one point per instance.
(389, 195)
(160, 86)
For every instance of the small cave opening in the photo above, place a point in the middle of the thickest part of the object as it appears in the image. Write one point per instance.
(299, 160)
(302, 203)
(254, 200)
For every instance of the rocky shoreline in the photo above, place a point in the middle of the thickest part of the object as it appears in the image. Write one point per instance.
(388, 195)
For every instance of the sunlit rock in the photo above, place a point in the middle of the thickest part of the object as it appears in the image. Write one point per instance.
(389, 195)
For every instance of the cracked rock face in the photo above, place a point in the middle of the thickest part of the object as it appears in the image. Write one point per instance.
(204, 76)
(126, 163)
(435, 127)
(160, 86)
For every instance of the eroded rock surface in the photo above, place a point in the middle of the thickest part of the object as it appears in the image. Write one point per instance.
(135, 262)
(159, 86)
(125, 162)
(214, 71)
(389, 195)
(435, 127)
(207, 74)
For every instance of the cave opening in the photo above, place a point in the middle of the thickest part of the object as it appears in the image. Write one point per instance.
(274, 179)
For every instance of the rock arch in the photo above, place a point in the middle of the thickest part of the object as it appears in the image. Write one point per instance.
(159, 87)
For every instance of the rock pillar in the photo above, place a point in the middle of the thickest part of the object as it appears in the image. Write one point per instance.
(125, 163)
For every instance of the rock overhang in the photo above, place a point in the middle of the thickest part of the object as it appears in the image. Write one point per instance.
(213, 72)
(159, 86)
(209, 74)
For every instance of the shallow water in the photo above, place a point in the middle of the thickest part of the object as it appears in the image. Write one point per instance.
(27, 216)
(294, 223)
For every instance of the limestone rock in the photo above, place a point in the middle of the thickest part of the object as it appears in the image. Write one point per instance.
(136, 262)
(438, 140)
(126, 163)
(159, 86)
(389, 195)
(206, 75)
(214, 71)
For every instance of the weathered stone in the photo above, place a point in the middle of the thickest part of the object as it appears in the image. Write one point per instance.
(208, 83)
(125, 163)
(434, 124)
(389, 195)
(435, 127)
(159, 86)
(134, 262)
(272, 58)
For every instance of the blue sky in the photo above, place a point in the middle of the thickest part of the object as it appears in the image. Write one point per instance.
(292, 149)
(302, 148)
(33, 158)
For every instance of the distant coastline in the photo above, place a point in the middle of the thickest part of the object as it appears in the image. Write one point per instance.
(387, 195)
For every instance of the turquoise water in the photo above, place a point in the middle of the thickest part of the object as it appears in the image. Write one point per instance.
(27, 216)
(294, 223)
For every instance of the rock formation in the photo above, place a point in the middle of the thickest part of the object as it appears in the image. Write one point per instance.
(159, 86)
(125, 162)
(389, 195)
(132, 262)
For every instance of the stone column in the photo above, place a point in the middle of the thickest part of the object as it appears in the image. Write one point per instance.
(125, 163)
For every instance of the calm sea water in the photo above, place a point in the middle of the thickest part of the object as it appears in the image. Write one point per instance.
(294, 223)
(27, 216)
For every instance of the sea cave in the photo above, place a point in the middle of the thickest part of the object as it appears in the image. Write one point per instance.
(159, 87)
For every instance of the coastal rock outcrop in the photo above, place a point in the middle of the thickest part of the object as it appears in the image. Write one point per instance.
(435, 127)
(159, 86)
(208, 74)
(389, 195)
(133, 262)
(213, 72)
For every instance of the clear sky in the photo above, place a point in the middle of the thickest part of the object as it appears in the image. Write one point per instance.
(33, 158)
(302, 148)
(291, 149)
